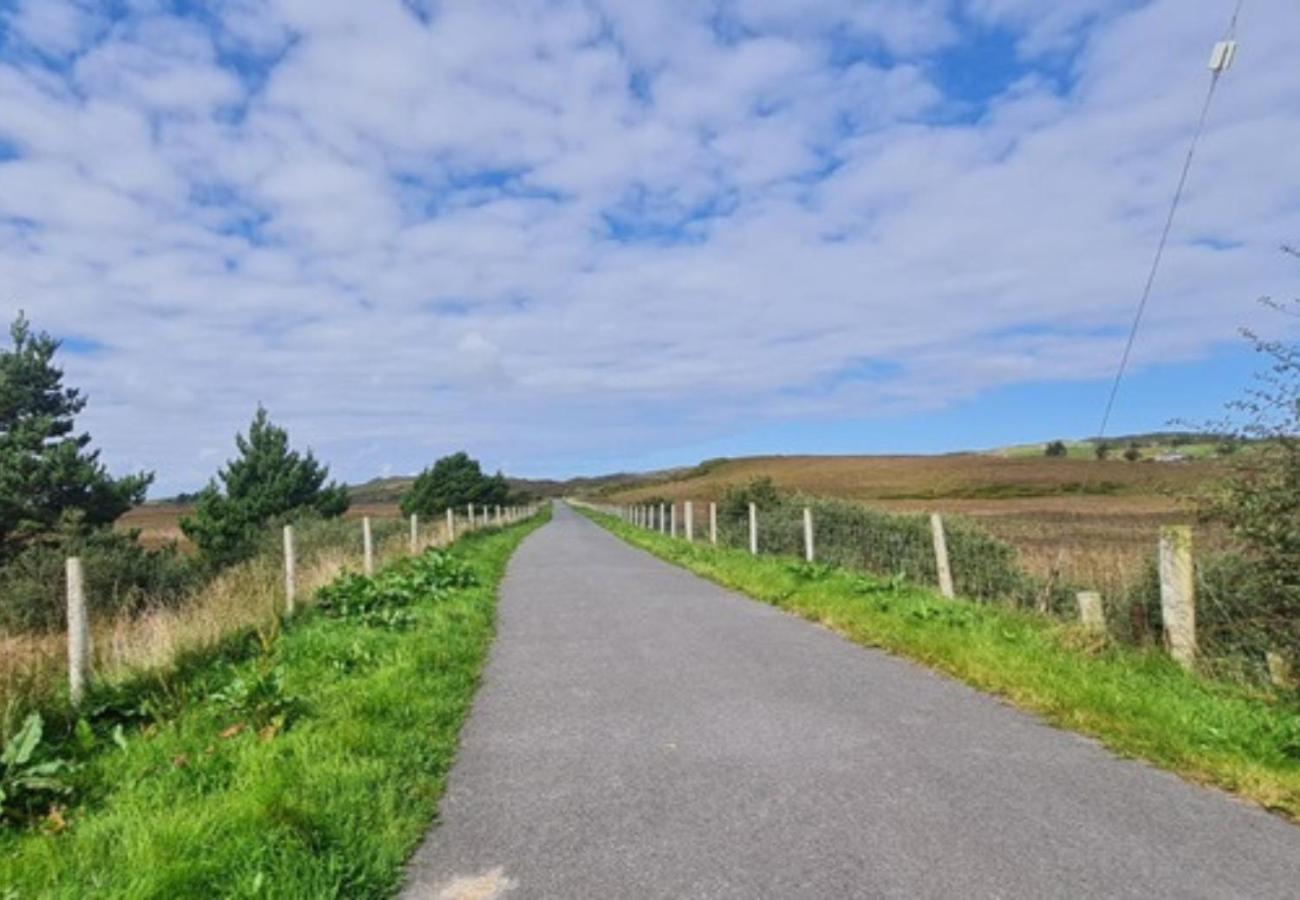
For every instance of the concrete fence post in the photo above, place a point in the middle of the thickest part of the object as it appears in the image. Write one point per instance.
(498, 516)
(78, 632)
(451, 525)
(690, 521)
(290, 574)
(808, 553)
(1178, 593)
(469, 512)
(415, 532)
(1279, 669)
(672, 519)
(1091, 614)
(713, 524)
(941, 556)
(753, 529)
(368, 546)
(663, 519)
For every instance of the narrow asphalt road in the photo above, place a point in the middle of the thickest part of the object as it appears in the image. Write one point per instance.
(643, 733)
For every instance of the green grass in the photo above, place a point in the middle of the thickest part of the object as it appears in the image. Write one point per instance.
(1138, 703)
(331, 806)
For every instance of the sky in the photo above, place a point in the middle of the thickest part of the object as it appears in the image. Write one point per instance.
(577, 237)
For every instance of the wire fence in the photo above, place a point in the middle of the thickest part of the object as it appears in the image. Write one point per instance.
(1204, 609)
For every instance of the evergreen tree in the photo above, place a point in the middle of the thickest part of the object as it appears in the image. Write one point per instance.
(265, 481)
(50, 479)
(452, 482)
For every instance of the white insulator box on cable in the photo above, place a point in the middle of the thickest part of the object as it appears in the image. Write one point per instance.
(1222, 55)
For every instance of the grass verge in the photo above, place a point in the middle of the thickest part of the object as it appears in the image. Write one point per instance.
(1138, 703)
(312, 777)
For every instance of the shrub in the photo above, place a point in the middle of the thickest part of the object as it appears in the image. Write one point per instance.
(121, 577)
(1056, 448)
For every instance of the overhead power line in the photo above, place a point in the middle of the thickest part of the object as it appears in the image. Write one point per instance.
(1221, 58)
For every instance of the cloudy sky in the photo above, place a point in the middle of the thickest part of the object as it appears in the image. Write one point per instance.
(579, 236)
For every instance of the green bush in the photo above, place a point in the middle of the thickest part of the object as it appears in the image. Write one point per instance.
(121, 577)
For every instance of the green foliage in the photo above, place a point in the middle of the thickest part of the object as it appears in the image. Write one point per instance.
(51, 482)
(1132, 452)
(384, 599)
(451, 483)
(1102, 449)
(761, 492)
(1260, 503)
(29, 773)
(1056, 449)
(121, 577)
(266, 481)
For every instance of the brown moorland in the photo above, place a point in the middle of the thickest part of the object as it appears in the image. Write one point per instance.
(1094, 522)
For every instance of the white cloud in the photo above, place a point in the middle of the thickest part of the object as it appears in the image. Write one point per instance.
(559, 230)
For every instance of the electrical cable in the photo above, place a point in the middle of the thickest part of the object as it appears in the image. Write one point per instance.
(1216, 74)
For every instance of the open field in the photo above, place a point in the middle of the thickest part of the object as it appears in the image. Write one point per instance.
(1093, 522)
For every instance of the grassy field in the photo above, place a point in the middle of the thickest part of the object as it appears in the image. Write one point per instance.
(1093, 522)
(308, 770)
(1136, 702)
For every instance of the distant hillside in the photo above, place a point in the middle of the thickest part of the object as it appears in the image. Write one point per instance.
(390, 490)
(954, 476)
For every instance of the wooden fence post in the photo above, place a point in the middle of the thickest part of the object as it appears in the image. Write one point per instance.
(290, 573)
(451, 525)
(941, 556)
(368, 546)
(713, 524)
(415, 532)
(1091, 614)
(1178, 593)
(78, 632)
(690, 521)
(753, 529)
(808, 535)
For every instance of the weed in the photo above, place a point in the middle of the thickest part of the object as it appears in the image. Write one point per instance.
(29, 772)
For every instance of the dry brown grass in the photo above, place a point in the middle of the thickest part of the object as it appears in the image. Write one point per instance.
(1093, 522)
(33, 667)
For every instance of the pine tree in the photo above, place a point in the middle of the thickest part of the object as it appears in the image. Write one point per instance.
(451, 482)
(51, 482)
(266, 481)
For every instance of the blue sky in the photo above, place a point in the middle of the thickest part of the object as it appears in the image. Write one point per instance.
(575, 237)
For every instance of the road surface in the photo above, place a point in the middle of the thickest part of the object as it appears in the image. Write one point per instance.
(641, 732)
